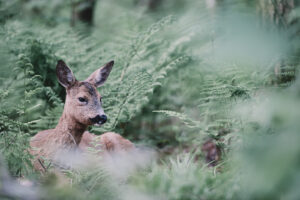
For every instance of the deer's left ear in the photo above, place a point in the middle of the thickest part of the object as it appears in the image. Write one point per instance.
(98, 77)
(64, 74)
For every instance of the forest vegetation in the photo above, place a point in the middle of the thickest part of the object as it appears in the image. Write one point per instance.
(207, 90)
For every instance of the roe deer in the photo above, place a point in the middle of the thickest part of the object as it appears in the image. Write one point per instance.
(110, 142)
(83, 107)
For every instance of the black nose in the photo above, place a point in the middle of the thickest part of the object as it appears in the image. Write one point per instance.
(99, 119)
(103, 119)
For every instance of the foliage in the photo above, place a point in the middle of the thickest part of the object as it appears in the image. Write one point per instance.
(185, 73)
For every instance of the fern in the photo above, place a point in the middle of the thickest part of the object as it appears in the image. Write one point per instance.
(168, 62)
(182, 117)
(14, 138)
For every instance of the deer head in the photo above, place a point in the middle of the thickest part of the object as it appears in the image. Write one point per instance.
(83, 102)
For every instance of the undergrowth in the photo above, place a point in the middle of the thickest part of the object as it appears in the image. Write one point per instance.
(185, 74)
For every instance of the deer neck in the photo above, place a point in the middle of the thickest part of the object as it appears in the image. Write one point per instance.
(70, 130)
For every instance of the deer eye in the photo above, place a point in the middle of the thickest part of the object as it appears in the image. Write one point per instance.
(100, 99)
(81, 99)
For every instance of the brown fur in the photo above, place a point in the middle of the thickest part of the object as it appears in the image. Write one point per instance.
(70, 130)
(109, 142)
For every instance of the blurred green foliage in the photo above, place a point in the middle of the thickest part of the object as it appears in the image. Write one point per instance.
(186, 72)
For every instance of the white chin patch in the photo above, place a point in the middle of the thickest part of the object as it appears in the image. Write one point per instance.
(97, 124)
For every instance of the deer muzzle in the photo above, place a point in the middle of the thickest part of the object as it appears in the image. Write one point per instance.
(99, 119)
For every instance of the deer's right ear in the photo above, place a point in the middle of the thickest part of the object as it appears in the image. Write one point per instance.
(64, 74)
(98, 77)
